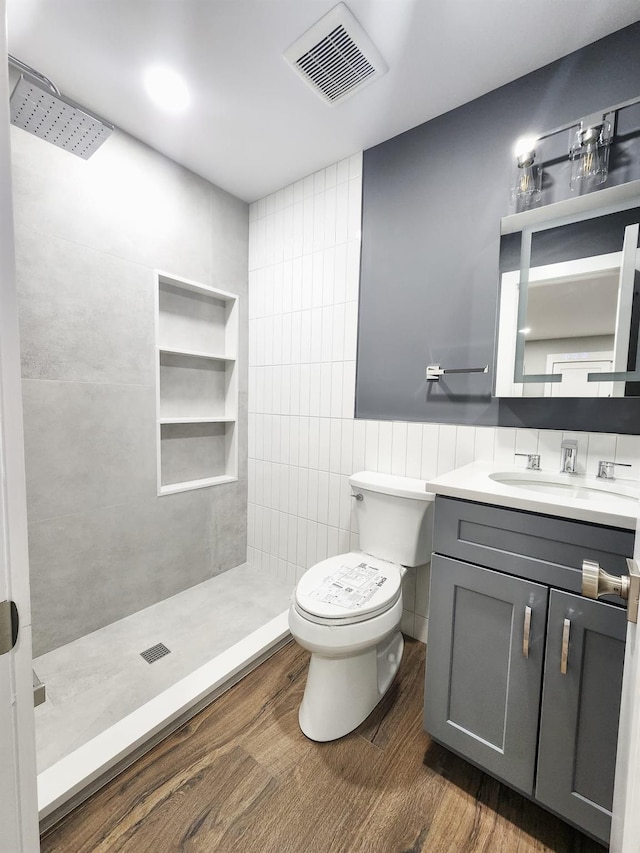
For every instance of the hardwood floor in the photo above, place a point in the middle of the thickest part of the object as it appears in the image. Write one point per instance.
(242, 777)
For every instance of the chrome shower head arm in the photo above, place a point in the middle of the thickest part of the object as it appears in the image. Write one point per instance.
(22, 66)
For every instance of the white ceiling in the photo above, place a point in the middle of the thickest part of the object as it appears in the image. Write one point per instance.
(253, 125)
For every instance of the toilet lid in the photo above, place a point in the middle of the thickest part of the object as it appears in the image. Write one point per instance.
(353, 584)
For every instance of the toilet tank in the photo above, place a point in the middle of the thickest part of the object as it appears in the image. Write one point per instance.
(395, 517)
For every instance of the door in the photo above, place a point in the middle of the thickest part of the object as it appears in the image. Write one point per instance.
(580, 710)
(574, 372)
(18, 795)
(484, 667)
(625, 825)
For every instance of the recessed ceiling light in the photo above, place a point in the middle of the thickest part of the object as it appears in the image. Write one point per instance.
(166, 88)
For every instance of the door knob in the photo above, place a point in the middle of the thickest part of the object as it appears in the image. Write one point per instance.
(596, 583)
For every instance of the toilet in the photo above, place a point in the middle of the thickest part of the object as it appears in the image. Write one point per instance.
(346, 610)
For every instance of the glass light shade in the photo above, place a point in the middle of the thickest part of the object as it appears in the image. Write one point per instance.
(527, 187)
(589, 156)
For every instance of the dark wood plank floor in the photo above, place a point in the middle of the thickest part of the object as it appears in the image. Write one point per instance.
(242, 777)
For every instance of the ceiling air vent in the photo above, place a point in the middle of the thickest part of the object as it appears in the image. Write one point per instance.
(336, 57)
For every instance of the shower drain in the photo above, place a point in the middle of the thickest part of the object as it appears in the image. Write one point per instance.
(155, 653)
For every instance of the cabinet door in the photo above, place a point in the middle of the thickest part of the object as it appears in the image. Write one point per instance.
(482, 690)
(580, 710)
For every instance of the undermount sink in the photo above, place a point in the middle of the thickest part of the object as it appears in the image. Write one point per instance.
(567, 485)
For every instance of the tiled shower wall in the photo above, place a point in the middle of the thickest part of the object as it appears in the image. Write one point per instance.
(89, 237)
(304, 250)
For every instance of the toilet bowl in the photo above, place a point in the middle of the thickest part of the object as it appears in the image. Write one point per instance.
(347, 609)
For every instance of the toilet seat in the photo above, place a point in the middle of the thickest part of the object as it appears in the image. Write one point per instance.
(347, 589)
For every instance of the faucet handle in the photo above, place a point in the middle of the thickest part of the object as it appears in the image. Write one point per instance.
(533, 460)
(605, 469)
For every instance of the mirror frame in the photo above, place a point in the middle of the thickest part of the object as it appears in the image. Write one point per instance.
(618, 415)
(527, 224)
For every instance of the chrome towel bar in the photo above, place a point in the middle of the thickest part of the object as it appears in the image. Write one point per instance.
(434, 371)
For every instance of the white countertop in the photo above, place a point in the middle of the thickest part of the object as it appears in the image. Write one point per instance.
(613, 503)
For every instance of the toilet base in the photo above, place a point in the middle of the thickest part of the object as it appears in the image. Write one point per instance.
(342, 692)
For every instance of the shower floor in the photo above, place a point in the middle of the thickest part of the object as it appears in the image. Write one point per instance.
(98, 679)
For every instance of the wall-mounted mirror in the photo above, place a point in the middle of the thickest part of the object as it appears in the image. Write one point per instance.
(569, 307)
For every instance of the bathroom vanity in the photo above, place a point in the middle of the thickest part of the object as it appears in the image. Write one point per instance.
(524, 673)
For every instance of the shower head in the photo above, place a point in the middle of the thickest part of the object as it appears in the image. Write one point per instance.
(38, 107)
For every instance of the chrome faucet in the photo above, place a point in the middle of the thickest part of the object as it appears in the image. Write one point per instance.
(605, 469)
(533, 460)
(569, 458)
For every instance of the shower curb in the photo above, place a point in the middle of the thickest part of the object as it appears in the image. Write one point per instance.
(73, 779)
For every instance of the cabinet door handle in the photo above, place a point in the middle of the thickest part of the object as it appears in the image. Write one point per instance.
(564, 656)
(526, 632)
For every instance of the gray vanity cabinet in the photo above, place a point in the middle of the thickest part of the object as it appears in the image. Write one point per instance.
(580, 710)
(503, 582)
(483, 682)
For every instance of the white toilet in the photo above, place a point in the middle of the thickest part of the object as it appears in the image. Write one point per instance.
(347, 609)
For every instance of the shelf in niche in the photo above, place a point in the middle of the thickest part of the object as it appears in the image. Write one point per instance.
(205, 420)
(196, 385)
(197, 484)
(213, 356)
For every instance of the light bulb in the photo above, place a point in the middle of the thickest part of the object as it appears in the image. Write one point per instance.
(528, 180)
(589, 155)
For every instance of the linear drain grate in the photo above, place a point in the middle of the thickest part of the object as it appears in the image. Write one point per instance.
(155, 653)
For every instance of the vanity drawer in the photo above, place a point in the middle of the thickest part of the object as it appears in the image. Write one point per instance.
(538, 547)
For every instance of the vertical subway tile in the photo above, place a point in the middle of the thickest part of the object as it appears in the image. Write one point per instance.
(303, 443)
(385, 442)
(348, 389)
(399, 449)
(314, 443)
(340, 274)
(414, 450)
(335, 445)
(337, 373)
(314, 390)
(312, 498)
(549, 444)
(359, 436)
(371, 445)
(334, 500)
(465, 445)
(322, 543)
(505, 446)
(485, 443)
(346, 447)
(324, 442)
(628, 451)
(323, 497)
(430, 449)
(303, 492)
(332, 541)
(447, 448)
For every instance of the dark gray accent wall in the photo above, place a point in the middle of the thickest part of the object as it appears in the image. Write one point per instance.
(433, 199)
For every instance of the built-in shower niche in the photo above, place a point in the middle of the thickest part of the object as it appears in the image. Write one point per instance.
(196, 385)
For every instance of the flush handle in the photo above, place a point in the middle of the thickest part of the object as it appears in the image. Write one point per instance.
(526, 632)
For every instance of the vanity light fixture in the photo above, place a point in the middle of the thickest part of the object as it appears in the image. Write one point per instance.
(527, 186)
(589, 153)
(590, 140)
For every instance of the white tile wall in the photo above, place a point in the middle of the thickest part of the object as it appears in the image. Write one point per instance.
(304, 251)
